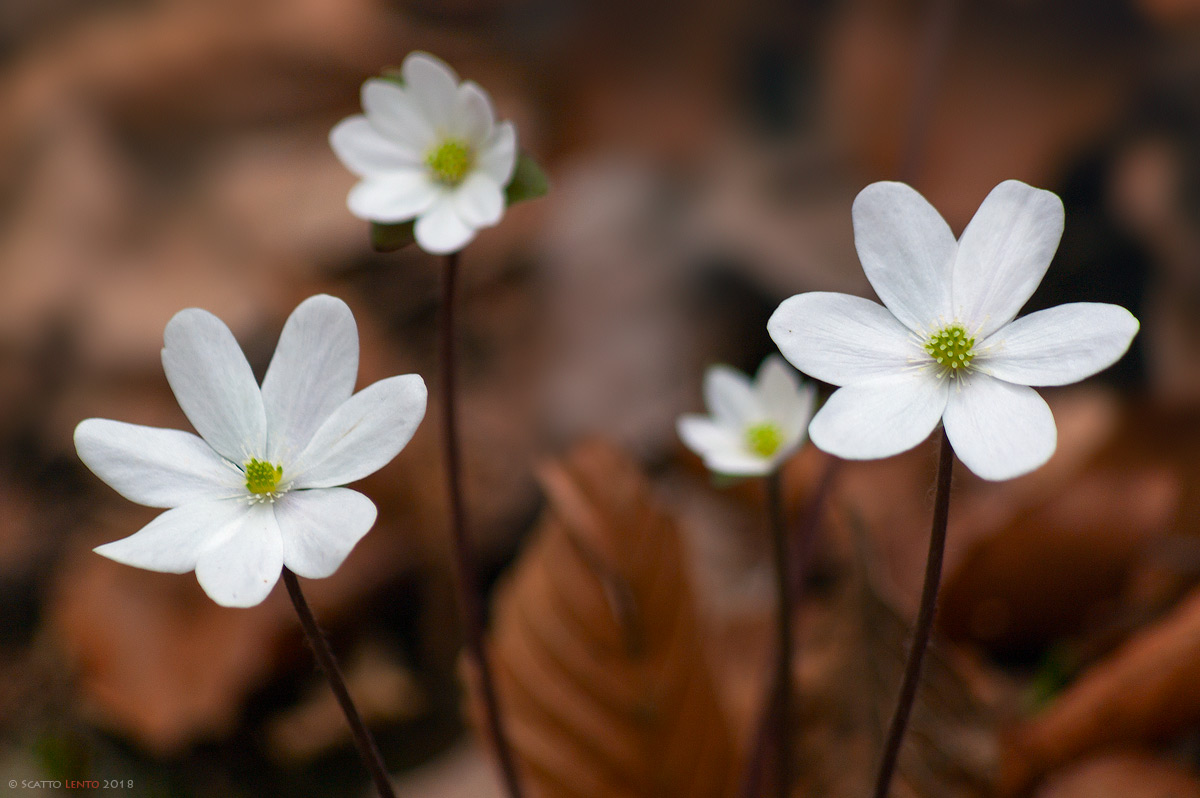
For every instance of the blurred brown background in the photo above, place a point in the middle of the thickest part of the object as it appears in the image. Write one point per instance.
(161, 154)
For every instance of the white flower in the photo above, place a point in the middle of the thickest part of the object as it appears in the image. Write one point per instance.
(428, 150)
(754, 426)
(257, 489)
(945, 345)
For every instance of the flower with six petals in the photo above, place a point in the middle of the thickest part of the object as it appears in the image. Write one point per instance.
(428, 149)
(258, 489)
(753, 426)
(946, 344)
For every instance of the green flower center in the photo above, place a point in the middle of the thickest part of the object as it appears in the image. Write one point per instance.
(952, 349)
(262, 478)
(764, 438)
(450, 161)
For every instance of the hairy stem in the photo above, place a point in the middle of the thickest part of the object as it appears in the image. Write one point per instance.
(466, 579)
(925, 615)
(320, 646)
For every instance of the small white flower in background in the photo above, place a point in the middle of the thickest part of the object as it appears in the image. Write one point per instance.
(754, 426)
(429, 150)
(946, 344)
(258, 488)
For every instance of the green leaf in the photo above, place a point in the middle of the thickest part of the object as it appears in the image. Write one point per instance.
(1057, 669)
(391, 237)
(528, 181)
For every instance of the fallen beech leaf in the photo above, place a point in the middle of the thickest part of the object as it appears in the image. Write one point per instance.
(1060, 564)
(462, 772)
(1122, 775)
(598, 655)
(950, 746)
(1144, 692)
(156, 661)
(383, 689)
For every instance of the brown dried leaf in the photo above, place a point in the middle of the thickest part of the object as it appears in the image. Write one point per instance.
(598, 655)
(383, 689)
(1061, 564)
(950, 747)
(464, 771)
(1144, 692)
(157, 662)
(1060, 558)
(1122, 775)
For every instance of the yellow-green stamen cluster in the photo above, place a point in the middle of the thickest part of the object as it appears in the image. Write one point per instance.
(764, 438)
(450, 161)
(952, 348)
(262, 479)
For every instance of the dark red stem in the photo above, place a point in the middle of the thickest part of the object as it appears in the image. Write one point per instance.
(466, 575)
(766, 734)
(925, 616)
(782, 699)
(365, 743)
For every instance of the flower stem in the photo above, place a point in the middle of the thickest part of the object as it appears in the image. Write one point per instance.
(769, 724)
(925, 615)
(466, 578)
(320, 646)
(783, 635)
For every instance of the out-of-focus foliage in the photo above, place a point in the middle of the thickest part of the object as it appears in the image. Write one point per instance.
(165, 154)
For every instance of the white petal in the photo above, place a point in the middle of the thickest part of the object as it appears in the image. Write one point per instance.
(880, 417)
(776, 382)
(243, 564)
(740, 464)
(479, 200)
(498, 157)
(703, 436)
(320, 527)
(214, 384)
(783, 397)
(724, 450)
(173, 541)
(791, 441)
(840, 338)
(441, 230)
(999, 430)
(365, 151)
(433, 85)
(155, 467)
(363, 435)
(473, 115)
(730, 397)
(1003, 255)
(907, 251)
(397, 197)
(394, 113)
(1059, 345)
(311, 375)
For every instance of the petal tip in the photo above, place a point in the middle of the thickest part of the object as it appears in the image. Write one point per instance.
(421, 68)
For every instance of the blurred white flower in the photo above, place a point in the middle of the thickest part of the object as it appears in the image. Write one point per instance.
(257, 489)
(946, 344)
(753, 427)
(429, 150)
